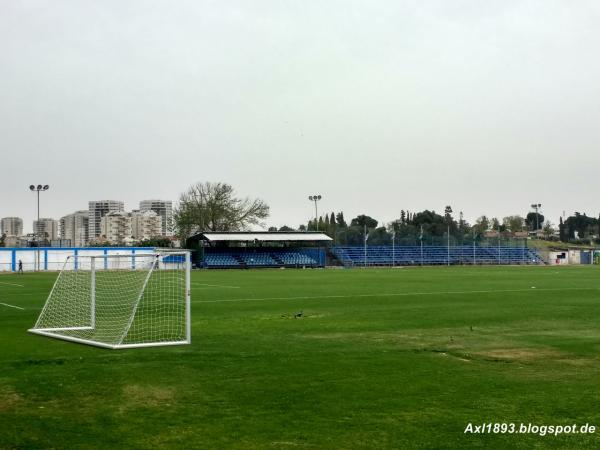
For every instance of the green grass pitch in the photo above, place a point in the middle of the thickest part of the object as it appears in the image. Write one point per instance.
(380, 358)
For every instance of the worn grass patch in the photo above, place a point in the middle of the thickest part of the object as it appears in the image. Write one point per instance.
(9, 399)
(145, 396)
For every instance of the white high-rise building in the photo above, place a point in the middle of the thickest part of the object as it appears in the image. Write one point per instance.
(45, 228)
(76, 228)
(11, 226)
(97, 210)
(145, 225)
(115, 227)
(164, 209)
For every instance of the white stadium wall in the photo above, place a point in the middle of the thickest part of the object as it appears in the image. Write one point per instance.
(54, 258)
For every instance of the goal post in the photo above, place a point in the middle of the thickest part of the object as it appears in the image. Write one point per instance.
(120, 301)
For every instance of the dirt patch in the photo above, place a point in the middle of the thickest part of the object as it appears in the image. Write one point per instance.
(8, 400)
(521, 354)
(136, 396)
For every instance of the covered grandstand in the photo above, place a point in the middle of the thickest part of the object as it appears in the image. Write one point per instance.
(223, 250)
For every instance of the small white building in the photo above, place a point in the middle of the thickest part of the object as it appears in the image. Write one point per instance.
(558, 257)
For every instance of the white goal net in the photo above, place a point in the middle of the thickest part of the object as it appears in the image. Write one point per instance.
(120, 301)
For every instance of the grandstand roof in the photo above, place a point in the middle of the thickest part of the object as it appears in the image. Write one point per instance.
(264, 236)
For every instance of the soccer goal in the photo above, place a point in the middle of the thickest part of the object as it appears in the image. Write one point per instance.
(120, 301)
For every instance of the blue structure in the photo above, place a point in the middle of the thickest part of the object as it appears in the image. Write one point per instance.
(434, 255)
(53, 258)
(247, 257)
(252, 249)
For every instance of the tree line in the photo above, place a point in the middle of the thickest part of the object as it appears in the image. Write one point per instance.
(217, 207)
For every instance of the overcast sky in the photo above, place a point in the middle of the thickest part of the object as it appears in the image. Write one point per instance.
(378, 106)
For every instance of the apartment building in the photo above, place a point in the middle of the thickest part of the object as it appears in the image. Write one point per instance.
(164, 209)
(11, 226)
(97, 210)
(45, 228)
(75, 227)
(145, 225)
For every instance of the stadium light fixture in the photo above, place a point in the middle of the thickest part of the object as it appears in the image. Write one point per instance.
(366, 238)
(315, 198)
(421, 239)
(474, 248)
(39, 188)
(537, 207)
(393, 247)
(448, 244)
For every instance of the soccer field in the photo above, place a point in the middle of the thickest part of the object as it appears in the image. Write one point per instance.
(377, 358)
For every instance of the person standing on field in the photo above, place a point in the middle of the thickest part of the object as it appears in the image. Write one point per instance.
(20, 267)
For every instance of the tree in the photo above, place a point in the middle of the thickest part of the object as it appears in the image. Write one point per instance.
(339, 219)
(496, 226)
(580, 224)
(286, 228)
(514, 223)
(380, 236)
(272, 229)
(534, 221)
(161, 242)
(362, 220)
(433, 224)
(3, 240)
(548, 230)
(332, 227)
(482, 224)
(448, 214)
(352, 236)
(562, 230)
(215, 207)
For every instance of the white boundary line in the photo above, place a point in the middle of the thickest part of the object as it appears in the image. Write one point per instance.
(11, 284)
(12, 306)
(216, 285)
(399, 294)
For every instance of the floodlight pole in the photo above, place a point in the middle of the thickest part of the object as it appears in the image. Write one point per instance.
(537, 207)
(474, 249)
(499, 258)
(366, 237)
(38, 189)
(315, 198)
(448, 244)
(421, 238)
(393, 248)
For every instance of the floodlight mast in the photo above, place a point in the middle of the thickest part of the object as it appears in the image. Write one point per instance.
(393, 247)
(39, 188)
(365, 248)
(315, 198)
(537, 207)
(448, 244)
(421, 239)
(474, 249)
